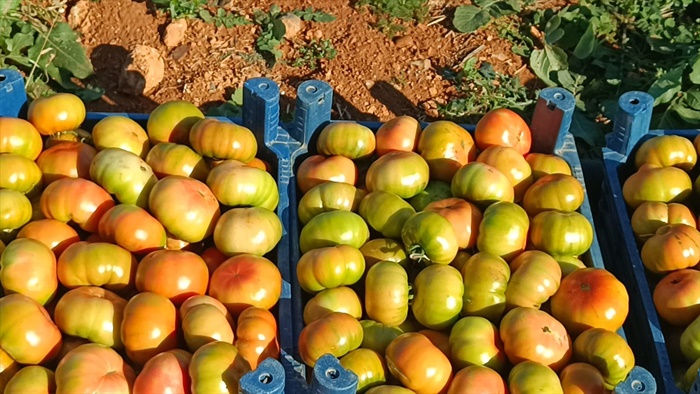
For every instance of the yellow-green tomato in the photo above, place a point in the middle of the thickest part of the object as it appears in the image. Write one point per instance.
(530, 377)
(654, 183)
(535, 277)
(402, 173)
(33, 379)
(561, 233)
(123, 174)
(329, 267)
(430, 238)
(386, 293)
(15, 209)
(486, 279)
(553, 192)
(503, 230)
(667, 151)
(251, 230)
(329, 196)
(369, 367)
(378, 336)
(216, 368)
(20, 173)
(338, 299)
(608, 352)
(337, 333)
(690, 340)
(333, 228)
(385, 212)
(235, 184)
(20, 137)
(482, 184)
(348, 139)
(437, 300)
(389, 389)
(476, 341)
(121, 132)
(168, 158)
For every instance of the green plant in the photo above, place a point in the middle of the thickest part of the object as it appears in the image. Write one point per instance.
(223, 18)
(469, 18)
(309, 14)
(181, 8)
(233, 108)
(390, 13)
(315, 51)
(47, 51)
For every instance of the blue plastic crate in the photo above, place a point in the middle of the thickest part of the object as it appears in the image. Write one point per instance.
(630, 130)
(550, 125)
(261, 115)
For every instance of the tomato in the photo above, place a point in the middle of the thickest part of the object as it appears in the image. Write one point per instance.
(569, 264)
(690, 341)
(96, 264)
(121, 132)
(28, 267)
(329, 196)
(66, 159)
(608, 352)
(386, 293)
(27, 333)
(461, 259)
(532, 377)
(687, 381)
(337, 299)
(70, 343)
(92, 313)
(235, 184)
(503, 230)
(482, 184)
(78, 200)
(213, 258)
(247, 230)
(402, 173)
(418, 364)
(175, 274)
(512, 164)
(167, 158)
(667, 151)
(15, 209)
(677, 297)
(476, 379)
(244, 281)
(336, 333)
(8, 368)
(503, 127)
(58, 112)
(330, 267)
(696, 143)
(673, 247)
(561, 233)
(532, 334)
(132, 228)
(476, 341)
(256, 336)
(553, 192)
(383, 249)
(77, 135)
(317, 169)
(464, 217)
(368, 365)
(389, 389)
(446, 147)
(205, 323)
(437, 299)
(92, 368)
(653, 183)
(434, 191)
(377, 336)
(385, 212)
(20, 137)
(427, 236)
(172, 121)
(20, 173)
(400, 133)
(589, 298)
(185, 206)
(439, 339)
(348, 139)
(32, 379)
(485, 277)
(223, 140)
(535, 278)
(166, 373)
(582, 378)
(544, 164)
(216, 368)
(123, 174)
(148, 327)
(650, 216)
(333, 228)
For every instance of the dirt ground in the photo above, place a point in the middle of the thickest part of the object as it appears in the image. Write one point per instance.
(374, 76)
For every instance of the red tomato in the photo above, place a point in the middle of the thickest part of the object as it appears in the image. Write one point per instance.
(677, 297)
(93, 368)
(78, 200)
(52, 233)
(149, 327)
(175, 274)
(20, 137)
(476, 379)
(418, 364)
(464, 217)
(66, 159)
(166, 373)
(28, 267)
(223, 140)
(256, 336)
(132, 228)
(56, 113)
(503, 127)
(400, 133)
(318, 169)
(96, 264)
(172, 121)
(446, 147)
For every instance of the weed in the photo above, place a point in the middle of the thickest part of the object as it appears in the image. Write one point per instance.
(233, 108)
(223, 18)
(181, 8)
(309, 14)
(392, 13)
(469, 18)
(312, 54)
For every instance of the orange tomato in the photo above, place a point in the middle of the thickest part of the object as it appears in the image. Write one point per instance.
(256, 336)
(78, 200)
(673, 247)
(28, 267)
(582, 378)
(56, 113)
(52, 233)
(27, 333)
(446, 147)
(66, 159)
(93, 368)
(166, 373)
(512, 164)
(652, 215)
(476, 379)
(175, 274)
(400, 133)
(148, 327)
(418, 364)
(318, 169)
(132, 228)
(503, 127)
(464, 216)
(677, 297)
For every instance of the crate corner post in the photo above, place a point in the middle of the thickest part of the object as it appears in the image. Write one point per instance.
(313, 108)
(13, 97)
(329, 377)
(552, 119)
(632, 120)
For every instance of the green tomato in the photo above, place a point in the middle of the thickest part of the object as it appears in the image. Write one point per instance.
(386, 293)
(123, 174)
(690, 341)
(503, 230)
(437, 300)
(435, 191)
(368, 365)
(561, 233)
(385, 212)
(486, 278)
(329, 267)
(476, 341)
(402, 173)
(529, 377)
(378, 336)
(334, 228)
(608, 352)
(329, 196)
(428, 236)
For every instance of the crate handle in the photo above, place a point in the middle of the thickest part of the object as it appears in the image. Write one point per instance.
(313, 108)
(268, 378)
(632, 120)
(551, 119)
(639, 380)
(331, 378)
(13, 97)
(261, 112)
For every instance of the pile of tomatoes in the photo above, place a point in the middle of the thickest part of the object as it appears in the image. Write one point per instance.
(436, 261)
(133, 260)
(661, 198)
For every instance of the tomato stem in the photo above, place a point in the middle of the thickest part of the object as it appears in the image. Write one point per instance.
(418, 254)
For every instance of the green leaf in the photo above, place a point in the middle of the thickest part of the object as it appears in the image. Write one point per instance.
(585, 46)
(469, 18)
(694, 75)
(665, 88)
(275, 10)
(485, 3)
(206, 16)
(545, 61)
(689, 115)
(278, 29)
(69, 54)
(323, 17)
(692, 98)
(552, 24)
(7, 6)
(19, 42)
(554, 36)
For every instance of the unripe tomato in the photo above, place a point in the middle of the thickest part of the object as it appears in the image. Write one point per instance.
(690, 341)
(503, 127)
(77, 135)
(20, 137)
(582, 378)
(553, 192)
(608, 352)
(123, 174)
(175, 274)
(172, 121)
(333, 228)
(330, 267)
(167, 158)
(56, 113)
(654, 183)
(389, 389)
(20, 173)
(531, 377)
(673, 247)
(317, 169)
(476, 379)
(385, 212)
(512, 164)
(96, 264)
(418, 364)
(223, 140)
(429, 237)
(336, 333)
(561, 233)
(329, 196)
(667, 151)
(383, 249)
(132, 228)
(386, 293)
(535, 278)
(400, 133)
(256, 336)
(446, 147)
(650, 216)
(168, 372)
(235, 184)
(368, 365)
(348, 139)
(485, 279)
(689, 377)
(461, 260)
(148, 327)
(503, 230)
(544, 164)
(677, 297)
(377, 336)
(78, 200)
(247, 231)
(28, 267)
(216, 368)
(437, 299)
(464, 216)
(338, 299)
(205, 323)
(52, 233)
(27, 333)
(476, 341)
(402, 173)
(33, 379)
(15, 209)
(66, 159)
(120, 132)
(435, 191)
(482, 184)
(569, 264)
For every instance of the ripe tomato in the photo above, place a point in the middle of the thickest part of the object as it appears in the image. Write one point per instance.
(27, 333)
(385, 212)
(544, 164)
(437, 299)
(464, 216)
(531, 377)
(223, 140)
(317, 169)
(148, 327)
(512, 164)
(235, 184)
(654, 183)
(205, 323)
(168, 372)
(15, 209)
(185, 206)
(20, 137)
(66, 159)
(418, 364)
(338, 299)
(96, 264)
(52, 233)
(589, 298)
(336, 333)
(532, 334)
(244, 281)
(216, 368)
(330, 267)
(20, 173)
(386, 293)
(78, 200)
(247, 230)
(582, 378)
(28, 267)
(677, 297)
(56, 113)
(383, 249)
(213, 257)
(535, 278)
(673, 247)
(92, 313)
(400, 133)
(446, 147)
(329, 196)
(476, 379)
(208, 300)
(476, 341)
(368, 365)
(123, 174)
(132, 228)
(667, 151)
(172, 121)
(348, 139)
(121, 132)
(256, 336)
(650, 216)
(167, 158)
(561, 233)
(32, 379)
(606, 351)
(503, 127)
(175, 274)
(93, 368)
(503, 230)
(333, 228)
(440, 339)
(429, 237)
(435, 191)
(553, 192)
(469, 183)
(485, 278)
(261, 164)
(402, 173)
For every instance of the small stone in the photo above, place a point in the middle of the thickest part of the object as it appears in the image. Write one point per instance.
(78, 14)
(427, 64)
(318, 34)
(403, 42)
(142, 71)
(292, 25)
(180, 52)
(175, 33)
(433, 92)
(369, 83)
